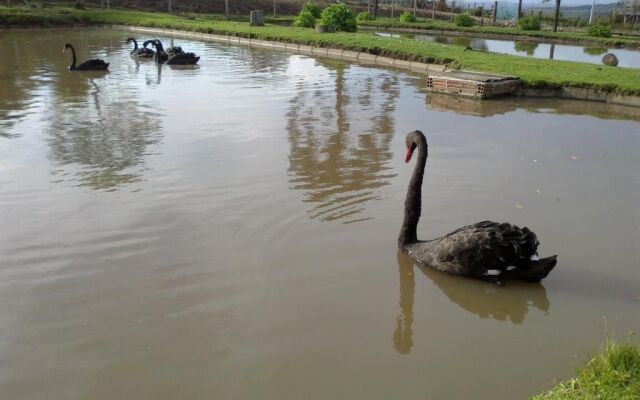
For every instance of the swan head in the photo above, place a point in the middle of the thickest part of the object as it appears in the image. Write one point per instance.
(412, 141)
(129, 40)
(66, 46)
(158, 44)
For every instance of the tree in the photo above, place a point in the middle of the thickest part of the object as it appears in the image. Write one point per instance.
(375, 9)
(226, 9)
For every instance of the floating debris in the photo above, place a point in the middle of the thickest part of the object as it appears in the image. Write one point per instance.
(574, 158)
(519, 206)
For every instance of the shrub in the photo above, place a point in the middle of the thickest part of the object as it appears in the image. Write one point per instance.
(599, 30)
(305, 20)
(529, 23)
(313, 8)
(364, 16)
(407, 16)
(581, 22)
(464, 19)
(339, 16)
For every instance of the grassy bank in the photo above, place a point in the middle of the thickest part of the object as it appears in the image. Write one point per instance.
(575, 37)
(537, 73)
(614, 374)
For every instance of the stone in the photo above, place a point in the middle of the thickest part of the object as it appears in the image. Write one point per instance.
(325, 28)
(256, 18)
(610, 59)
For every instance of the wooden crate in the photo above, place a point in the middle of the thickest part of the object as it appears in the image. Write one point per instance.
(471, 84)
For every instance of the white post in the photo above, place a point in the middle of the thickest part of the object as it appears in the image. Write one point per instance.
(593, 5)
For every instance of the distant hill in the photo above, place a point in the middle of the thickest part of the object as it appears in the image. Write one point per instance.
(575, 11)
(507, 10)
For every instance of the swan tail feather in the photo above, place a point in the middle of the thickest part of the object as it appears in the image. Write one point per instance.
(539, 269)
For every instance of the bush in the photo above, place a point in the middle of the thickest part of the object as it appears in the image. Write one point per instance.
(407, 16)
(339, 16)
(305, 20)
(529, 23)
(598, 30)
(581, 22)
(464, 19)
(364, 16)
(313, 8)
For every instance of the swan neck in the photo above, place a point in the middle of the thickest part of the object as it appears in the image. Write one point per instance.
(413, 201)
(73, 58)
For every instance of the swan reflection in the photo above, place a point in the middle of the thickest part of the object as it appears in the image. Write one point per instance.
(101, 139)
(508, 303)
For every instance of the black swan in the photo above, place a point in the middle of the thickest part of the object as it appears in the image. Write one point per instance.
(89, 65)
(173, 58)
(142, 52)
(486, 250)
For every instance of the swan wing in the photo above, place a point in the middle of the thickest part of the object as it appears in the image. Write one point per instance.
(487, 248)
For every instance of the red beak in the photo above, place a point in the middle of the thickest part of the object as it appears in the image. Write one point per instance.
(408, 156)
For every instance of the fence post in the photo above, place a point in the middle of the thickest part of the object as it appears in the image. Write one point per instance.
(494, 15)
(453, 5)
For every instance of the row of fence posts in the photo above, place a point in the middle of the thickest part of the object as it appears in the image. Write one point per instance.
(494, 11)
(433, 10)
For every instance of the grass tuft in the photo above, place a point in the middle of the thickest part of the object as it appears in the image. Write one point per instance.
(613, 374)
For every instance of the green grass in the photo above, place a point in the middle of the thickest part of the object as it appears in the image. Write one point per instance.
(614, 374)
(535, 73)
(576, 37)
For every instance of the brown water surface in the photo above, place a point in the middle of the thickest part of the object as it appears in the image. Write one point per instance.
(229, 231)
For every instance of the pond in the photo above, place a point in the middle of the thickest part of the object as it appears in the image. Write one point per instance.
(531, 48)
(229, 230)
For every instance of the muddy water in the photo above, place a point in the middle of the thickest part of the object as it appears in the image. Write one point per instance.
(229, 231)
(529, 48)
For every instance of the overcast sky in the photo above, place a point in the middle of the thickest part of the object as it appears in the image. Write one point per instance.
(551, 2)
(566, 2)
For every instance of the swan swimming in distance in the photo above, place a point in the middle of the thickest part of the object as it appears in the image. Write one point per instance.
(172, 57)
(89, 65)
(140, 52)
